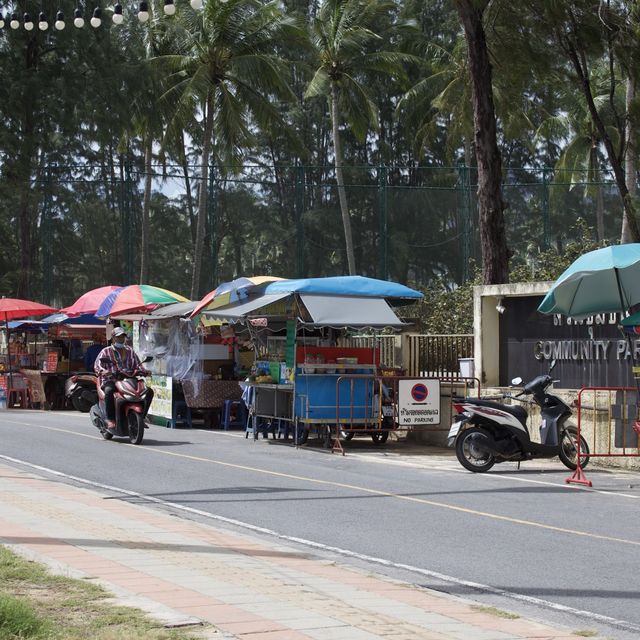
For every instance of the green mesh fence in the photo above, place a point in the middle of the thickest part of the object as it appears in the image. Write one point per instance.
(408, 223)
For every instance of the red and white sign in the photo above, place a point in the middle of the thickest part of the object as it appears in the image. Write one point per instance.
(418, 401)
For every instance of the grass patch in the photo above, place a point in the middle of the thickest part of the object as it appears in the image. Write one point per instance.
(585, 633)
(493, 611)
(37, 605)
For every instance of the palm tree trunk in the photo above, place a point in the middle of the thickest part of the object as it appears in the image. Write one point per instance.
(146, 206)
(187, 186)
(342, 194)
(579, 60)
(493, 239)
(629, 157)
(202, 198)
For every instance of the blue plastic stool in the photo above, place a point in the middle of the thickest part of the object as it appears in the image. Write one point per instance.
(229, 419)
(181, 413)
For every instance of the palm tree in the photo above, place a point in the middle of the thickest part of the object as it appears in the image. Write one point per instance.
(228, 73)
(343, 37)
(582, 152)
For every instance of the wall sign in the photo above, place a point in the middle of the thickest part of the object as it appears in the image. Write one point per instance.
(588, 353)
(418, 401)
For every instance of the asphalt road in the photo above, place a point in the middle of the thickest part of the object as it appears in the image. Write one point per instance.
(520, 540)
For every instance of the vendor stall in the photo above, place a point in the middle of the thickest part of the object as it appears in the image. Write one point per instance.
(195, 367)
(301, 376)
(44, 353)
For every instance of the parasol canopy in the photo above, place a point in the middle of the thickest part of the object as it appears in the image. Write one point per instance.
(603, 281)
(136, 297)
(13, 308)
(90, 301)
(230, 292)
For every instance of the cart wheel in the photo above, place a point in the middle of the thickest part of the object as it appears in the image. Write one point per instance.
(325, 435)
(380, 437)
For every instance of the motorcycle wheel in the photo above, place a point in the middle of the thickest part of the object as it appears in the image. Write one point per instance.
(469, 454)
(569, 451)
(80, 404)
(135, 422)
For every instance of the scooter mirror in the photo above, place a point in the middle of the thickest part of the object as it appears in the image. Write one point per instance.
(148, 359)
(516, 382)
(553, 364)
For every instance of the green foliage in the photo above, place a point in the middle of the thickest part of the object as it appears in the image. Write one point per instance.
(18, 619)
(446, 311)
(79, 105)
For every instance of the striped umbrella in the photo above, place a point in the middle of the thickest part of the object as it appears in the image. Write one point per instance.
(136, 298)
(231, 291)
(90, 301)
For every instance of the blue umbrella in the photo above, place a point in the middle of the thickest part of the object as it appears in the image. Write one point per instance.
(603, 281)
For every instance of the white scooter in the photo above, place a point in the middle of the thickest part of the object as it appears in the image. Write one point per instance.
(485, 433)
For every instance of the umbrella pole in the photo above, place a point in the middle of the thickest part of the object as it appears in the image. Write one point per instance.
(10, 372)
(628, 337)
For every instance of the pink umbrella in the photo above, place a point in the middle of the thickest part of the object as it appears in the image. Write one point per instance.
(90, 301)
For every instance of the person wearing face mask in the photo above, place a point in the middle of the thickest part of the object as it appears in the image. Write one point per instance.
(122, 358)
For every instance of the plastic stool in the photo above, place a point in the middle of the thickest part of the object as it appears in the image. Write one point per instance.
(181, 413)
(228, 420)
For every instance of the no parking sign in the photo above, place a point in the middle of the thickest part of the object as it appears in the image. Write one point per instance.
(418, 401)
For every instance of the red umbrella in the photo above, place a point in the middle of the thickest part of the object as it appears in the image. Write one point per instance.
(90, 301)
(13, 308)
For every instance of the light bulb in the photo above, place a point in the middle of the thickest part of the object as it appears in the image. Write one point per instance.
(143, 13)
(169, 7)
(59, 23)
(117, 17)
(96, 19)
(196, 4)
(77, 19)
(15, 23)
(43, 25)
(1, 20)
(28, 24)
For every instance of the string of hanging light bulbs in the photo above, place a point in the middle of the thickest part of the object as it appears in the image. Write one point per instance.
(13, 20)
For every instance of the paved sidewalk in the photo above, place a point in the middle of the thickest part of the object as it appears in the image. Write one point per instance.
(183, 572)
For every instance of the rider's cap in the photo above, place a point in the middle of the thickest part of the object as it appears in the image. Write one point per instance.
(118, 331)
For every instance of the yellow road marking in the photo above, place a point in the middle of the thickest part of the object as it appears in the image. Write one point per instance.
(342, 485)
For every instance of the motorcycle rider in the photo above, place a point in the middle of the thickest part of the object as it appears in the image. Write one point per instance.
(122, 359)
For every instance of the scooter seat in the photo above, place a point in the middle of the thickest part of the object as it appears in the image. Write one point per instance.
(516, 411)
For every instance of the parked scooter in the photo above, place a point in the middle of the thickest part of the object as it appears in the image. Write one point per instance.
(132, 399)
(80, 390)
(485, 433)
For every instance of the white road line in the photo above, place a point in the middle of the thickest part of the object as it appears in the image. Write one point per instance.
(483, 588)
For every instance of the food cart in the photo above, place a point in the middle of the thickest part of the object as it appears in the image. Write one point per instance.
(303, 381)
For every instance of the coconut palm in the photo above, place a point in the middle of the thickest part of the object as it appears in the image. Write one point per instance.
(344, 40)
(228, 73)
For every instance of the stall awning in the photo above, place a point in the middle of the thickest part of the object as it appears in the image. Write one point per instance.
(350, 311)
(236, 312)
(173, 310)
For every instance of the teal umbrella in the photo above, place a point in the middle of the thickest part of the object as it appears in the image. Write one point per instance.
(603, 281)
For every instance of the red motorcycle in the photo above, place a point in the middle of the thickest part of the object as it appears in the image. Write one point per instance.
(132, 400)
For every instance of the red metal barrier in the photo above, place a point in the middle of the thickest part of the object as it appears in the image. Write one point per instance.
(609, 411)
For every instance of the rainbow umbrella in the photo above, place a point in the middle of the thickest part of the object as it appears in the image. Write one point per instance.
(90, 301)
(231, 291)
(136, 298)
